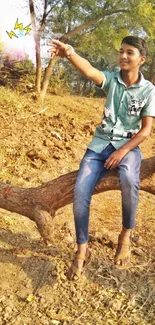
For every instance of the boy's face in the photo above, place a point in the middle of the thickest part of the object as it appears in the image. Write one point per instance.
(129, 58)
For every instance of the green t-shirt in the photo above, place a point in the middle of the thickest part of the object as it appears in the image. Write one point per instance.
(124, 109)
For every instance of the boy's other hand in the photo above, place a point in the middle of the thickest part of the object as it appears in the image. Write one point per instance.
(114, 159)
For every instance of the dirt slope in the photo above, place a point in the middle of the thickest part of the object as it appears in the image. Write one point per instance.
(35, 148)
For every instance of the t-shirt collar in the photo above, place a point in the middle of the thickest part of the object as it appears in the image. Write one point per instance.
(138, 84)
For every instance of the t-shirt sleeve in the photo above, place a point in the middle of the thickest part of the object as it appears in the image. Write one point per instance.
(149, 108)
(106, 80)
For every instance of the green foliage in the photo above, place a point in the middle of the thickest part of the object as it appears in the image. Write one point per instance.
(97, 27)
(25, 66)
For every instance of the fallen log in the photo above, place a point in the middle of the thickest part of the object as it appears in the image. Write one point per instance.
(41, 203)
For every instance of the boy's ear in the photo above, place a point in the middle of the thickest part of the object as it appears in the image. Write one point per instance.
(143, 59)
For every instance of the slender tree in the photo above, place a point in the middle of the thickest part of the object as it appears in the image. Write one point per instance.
(38, 26)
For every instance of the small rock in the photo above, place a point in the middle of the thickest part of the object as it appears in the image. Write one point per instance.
(18, 319)
(2, 298)
(72, 288)
(117, 304)
(8, 310)
(56, 156)
(55, 286)
(6, 316)
(106, 284)
(100, 269)
(44, 321)
(93, 305)
(139, 251)
(136, 238)
(44, 177)
(42, 301)
(39, 314)
(68, 146)
(10, 304)
(54, 273)
(56, 135)
(55, 322)
(69, 239)
(62, 276)
(47, 143)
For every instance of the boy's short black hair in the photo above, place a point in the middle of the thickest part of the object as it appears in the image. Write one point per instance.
(137, 42)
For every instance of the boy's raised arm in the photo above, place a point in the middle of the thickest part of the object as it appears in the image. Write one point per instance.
(82, 65)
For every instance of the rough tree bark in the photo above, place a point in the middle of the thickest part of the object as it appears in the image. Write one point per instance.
(41, 203)
(37, 38)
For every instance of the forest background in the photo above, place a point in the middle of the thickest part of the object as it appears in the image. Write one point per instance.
(94, 28)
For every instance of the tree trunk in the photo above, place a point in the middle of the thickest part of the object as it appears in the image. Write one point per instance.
(40, 203)
(46, 78)
(38, 65)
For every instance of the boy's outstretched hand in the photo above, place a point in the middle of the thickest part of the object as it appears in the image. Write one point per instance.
(58, 49)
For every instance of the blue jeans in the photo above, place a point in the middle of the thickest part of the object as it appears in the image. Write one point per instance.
(90, 173)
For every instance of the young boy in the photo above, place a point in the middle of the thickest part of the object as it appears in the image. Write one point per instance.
(127, 121)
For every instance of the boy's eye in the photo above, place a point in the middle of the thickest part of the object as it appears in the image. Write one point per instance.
(129, 52)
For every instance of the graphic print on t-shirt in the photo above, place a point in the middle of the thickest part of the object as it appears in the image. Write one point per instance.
(136, 105)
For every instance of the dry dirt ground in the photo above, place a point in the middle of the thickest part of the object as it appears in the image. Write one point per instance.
(35, 148)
